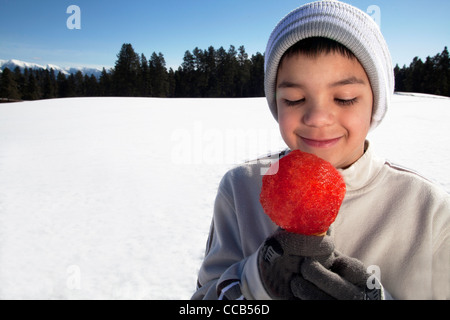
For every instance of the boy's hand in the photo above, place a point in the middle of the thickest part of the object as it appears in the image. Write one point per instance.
(282, 256)
(346, 279)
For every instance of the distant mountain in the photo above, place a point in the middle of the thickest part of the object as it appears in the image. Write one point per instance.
(13, 63)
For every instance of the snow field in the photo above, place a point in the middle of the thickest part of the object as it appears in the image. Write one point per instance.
(112, 198)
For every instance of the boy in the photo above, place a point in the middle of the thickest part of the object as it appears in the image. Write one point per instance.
(328, 82)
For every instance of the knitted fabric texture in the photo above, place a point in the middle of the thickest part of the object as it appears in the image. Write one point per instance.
(345, 24)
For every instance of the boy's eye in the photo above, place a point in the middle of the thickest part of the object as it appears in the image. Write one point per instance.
(290, 103)
(345, 102)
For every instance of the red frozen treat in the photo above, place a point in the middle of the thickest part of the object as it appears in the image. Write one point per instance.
(302, 193)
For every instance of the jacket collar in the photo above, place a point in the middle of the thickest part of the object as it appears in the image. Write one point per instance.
(363, 171)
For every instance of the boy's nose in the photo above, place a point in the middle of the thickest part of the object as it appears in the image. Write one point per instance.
(318, 115)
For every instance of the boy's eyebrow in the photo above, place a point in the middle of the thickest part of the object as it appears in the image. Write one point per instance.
(288, 84)
(347, 81)
(343, 82)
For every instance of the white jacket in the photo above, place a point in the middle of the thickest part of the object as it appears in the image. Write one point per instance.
(392, 219)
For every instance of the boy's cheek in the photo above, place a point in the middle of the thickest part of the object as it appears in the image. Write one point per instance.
(287, 130)
(285, 122)
(287, 114)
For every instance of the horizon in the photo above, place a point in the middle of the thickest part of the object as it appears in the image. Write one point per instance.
(46, 66)
(48, 33)
(110, 68)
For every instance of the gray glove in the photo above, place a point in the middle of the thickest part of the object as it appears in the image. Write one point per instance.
(345, 279)
(283, 254)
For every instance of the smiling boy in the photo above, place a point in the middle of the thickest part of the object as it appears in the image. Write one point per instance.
(324, 102)
(328, 82)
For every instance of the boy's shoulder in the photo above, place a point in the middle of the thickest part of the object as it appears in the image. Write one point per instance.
(414, 179)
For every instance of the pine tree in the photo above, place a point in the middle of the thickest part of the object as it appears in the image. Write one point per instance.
(144, 78)
(8, 87)
(200, 73)
(428, 78)
(90, 86)
(414, 76)
(80, 90)
(171, 79)
(71, 86)
(32, 90)
(222, 73)
(185, 85)
(105, 83)
(443, 66)
(19, 77)
(158, 75)
(211, 70)
(399, 75)
(126, 72)
(257, 75)
(231, 73)
(49, 84)
(188, 62)
(179, 82)
(243, 73)
(62, 85)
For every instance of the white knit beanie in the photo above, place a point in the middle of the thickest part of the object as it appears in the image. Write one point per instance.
(345, 24)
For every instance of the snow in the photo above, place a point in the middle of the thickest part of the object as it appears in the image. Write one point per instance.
(111, 198)
(13, 63)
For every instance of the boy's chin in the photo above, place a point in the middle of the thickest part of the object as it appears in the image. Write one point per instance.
(329, 156)
(340, 157)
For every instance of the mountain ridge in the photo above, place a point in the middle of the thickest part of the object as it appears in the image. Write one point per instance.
(22, 65)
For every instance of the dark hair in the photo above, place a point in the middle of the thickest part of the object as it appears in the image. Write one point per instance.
(312, 47)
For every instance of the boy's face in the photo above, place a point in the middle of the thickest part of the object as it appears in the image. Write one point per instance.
(324, 106)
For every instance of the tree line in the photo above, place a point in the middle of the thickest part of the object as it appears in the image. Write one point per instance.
(431, 76)
(203, 73)
(214, 73)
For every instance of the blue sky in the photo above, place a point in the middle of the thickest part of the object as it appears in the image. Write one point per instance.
(36, 31)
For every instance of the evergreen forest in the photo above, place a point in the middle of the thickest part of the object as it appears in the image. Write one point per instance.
(213, 73)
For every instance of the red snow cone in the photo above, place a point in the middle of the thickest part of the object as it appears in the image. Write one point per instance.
(302, 193)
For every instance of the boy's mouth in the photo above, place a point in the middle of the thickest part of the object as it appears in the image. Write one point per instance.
(322, 143)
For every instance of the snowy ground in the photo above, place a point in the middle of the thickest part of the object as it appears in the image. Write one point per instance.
(111, 198)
